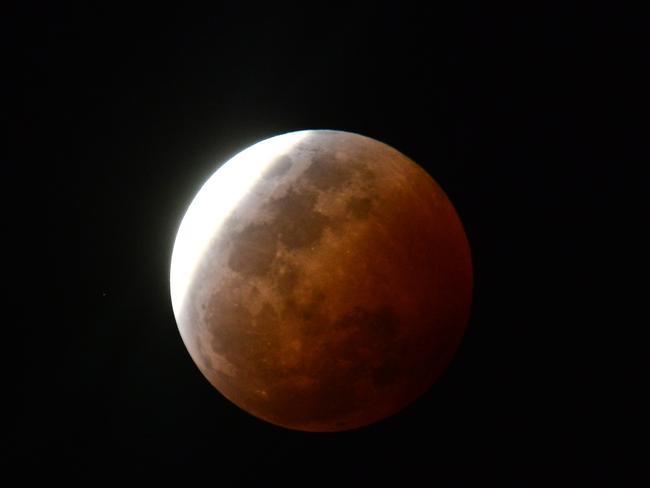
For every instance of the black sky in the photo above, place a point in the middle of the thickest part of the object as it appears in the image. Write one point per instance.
(523, 115)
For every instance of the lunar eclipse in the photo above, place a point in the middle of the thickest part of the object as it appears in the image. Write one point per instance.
(321, 280)
(212, 294)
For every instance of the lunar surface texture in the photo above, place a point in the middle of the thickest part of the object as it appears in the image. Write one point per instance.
(321, 280)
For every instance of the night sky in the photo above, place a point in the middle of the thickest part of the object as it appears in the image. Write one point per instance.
(521, 114)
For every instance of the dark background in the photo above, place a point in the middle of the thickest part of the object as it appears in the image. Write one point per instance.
(523, 114)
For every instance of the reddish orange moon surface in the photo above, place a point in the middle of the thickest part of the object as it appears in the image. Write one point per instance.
(321, 280)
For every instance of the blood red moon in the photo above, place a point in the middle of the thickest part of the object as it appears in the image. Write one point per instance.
(321, 280)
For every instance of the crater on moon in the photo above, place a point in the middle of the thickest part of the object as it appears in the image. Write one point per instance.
(335, 291)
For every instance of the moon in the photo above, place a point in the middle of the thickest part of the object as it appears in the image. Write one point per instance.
(321, 280)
